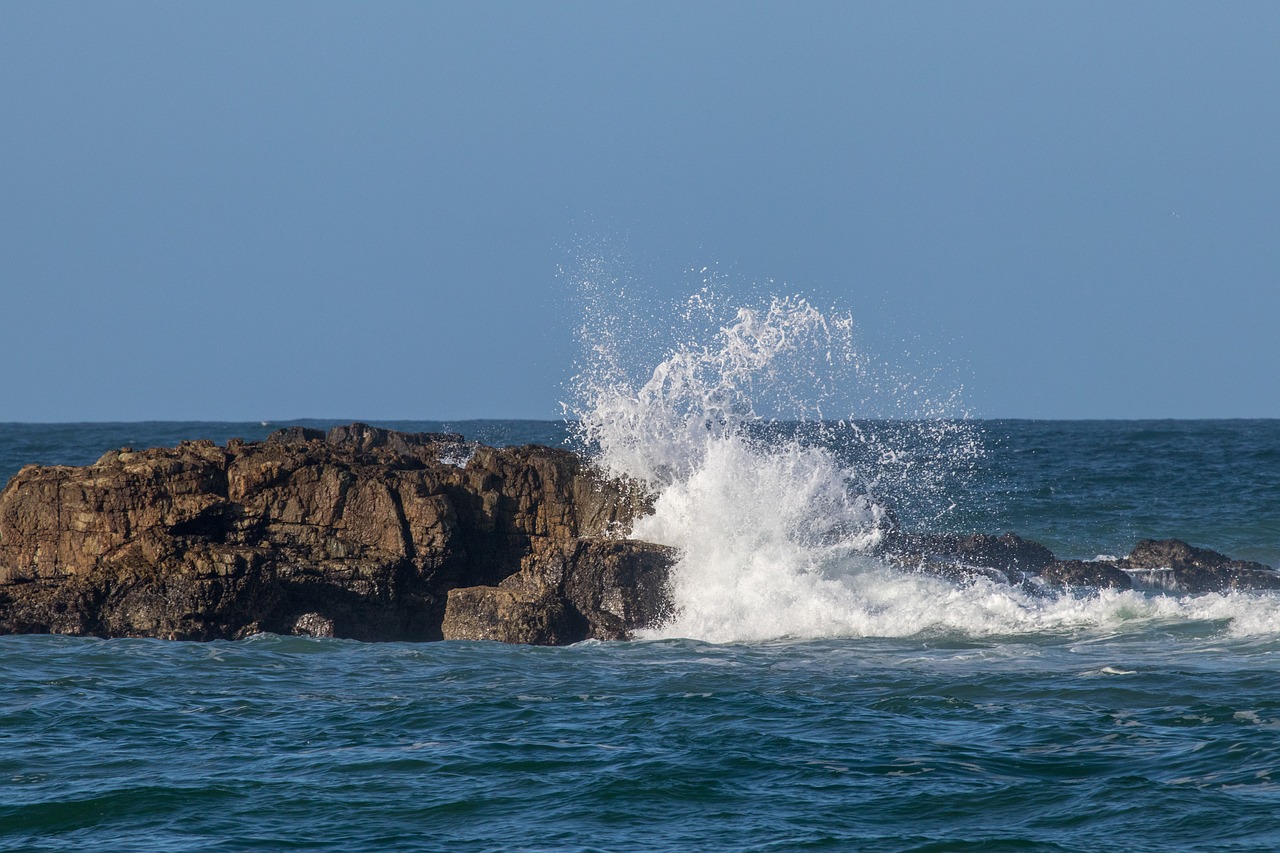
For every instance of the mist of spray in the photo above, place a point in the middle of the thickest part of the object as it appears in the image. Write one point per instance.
(778, 455)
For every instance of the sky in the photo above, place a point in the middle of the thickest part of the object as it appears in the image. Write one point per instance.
(250, 210)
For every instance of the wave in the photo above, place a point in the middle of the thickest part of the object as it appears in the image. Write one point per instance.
(749, 423)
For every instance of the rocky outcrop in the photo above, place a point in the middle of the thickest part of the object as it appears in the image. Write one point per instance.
(597, 589)
(1008, 557)
(1165, 565)
(1175, 566)
(359, 533)
(378, 535)
(1085, 573)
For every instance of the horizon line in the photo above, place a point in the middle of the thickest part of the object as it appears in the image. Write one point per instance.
(283, 422)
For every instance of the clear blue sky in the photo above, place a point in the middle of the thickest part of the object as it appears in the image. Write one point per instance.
(249, 210)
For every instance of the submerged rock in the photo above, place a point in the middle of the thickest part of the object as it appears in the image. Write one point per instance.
(1086, 573)
(360, 533)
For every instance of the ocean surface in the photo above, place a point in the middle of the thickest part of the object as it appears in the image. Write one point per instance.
(806, 699)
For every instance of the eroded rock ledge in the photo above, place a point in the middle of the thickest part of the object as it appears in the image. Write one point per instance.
(363, 533)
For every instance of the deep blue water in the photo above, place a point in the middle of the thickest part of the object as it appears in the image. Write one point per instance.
(1090, 487)
(1137, 726)
(286, 743)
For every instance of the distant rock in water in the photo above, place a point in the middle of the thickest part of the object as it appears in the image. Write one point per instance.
(361, 533)
(1175, 566)
(1166, 565)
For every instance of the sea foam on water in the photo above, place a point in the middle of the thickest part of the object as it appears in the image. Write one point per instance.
(740, 420)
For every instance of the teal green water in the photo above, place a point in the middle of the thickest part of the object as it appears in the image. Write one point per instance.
(1141, 723)
(1163, 738)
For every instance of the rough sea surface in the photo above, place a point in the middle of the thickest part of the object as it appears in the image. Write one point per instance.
(1126, 721)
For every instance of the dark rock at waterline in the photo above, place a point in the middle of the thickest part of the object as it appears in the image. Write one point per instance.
(946, 554)
(313, 625)
(1175, 566)
(959, 573)
(1175, 554)
(360, 533)
(1082, 573)
(1169, 565)
(1170, 553)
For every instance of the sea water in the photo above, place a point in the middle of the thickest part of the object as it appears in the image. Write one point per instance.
(802, 696)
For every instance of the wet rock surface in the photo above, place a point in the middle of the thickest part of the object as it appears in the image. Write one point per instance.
(1008, 557)
(1085, 573)
(359, 533)
(1174, 565)
(1168, 565)
(593, 589)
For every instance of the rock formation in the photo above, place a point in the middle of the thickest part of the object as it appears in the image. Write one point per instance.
(359, 533)
(1002, 558)
(1094, 574)
(378, 535)
(597, 588)
(1168, 565)
(1178, 567)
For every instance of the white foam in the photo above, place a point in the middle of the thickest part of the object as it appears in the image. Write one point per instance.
(457, 458)
(776, 534)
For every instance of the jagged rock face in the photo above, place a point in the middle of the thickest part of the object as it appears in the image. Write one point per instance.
(567, 593)
(359, 533)
(378, 535)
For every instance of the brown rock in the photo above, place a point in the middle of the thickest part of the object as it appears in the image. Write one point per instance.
(589, 589)
(493, 613)
(363, 530)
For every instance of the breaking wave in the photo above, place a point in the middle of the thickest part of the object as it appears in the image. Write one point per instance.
(780, 456)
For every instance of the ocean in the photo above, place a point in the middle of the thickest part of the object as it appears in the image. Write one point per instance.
(803, 694)
(805, 698)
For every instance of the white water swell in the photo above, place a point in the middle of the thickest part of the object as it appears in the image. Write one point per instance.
(743, 420)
